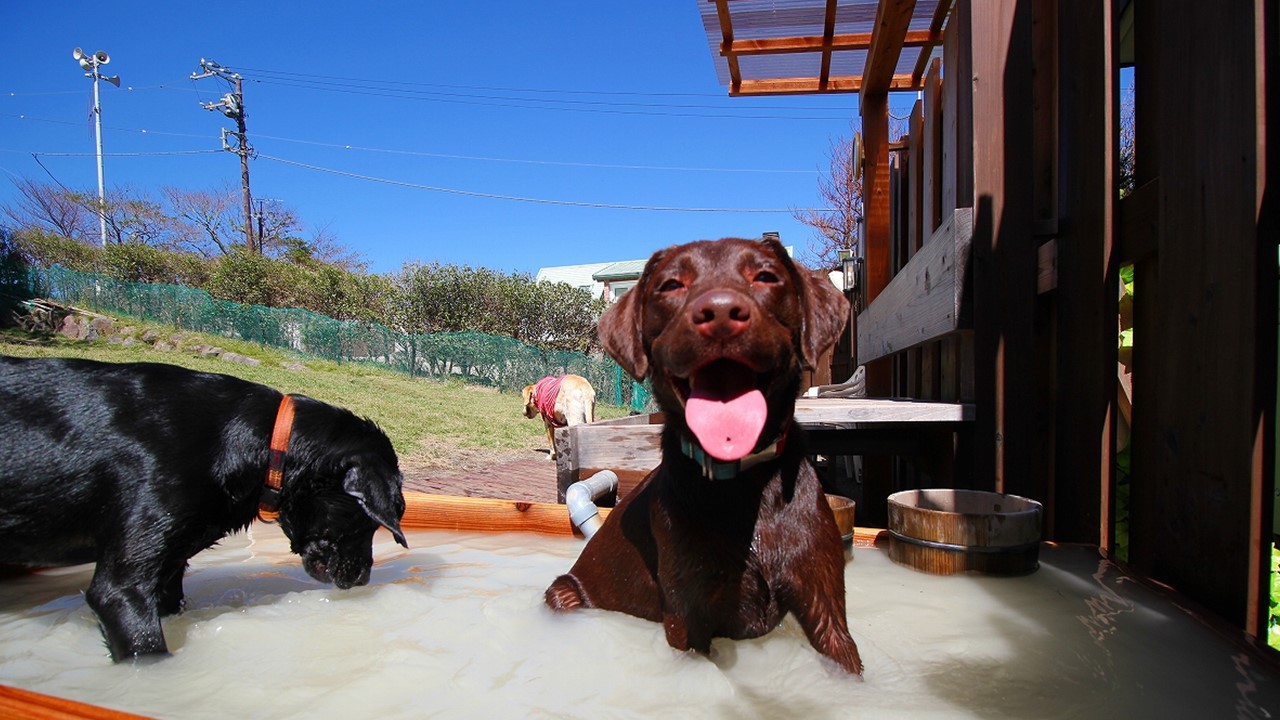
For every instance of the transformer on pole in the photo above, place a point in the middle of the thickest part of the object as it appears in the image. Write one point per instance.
(232, 105)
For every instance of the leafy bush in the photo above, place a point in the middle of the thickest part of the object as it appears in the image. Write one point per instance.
(247, 277)
(134, 262)
(42, 249)
(458, 298)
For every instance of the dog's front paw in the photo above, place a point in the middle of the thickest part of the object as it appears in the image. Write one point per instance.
(564, 594)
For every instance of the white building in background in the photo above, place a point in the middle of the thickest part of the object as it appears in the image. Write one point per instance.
(608, 280)
(612, 280)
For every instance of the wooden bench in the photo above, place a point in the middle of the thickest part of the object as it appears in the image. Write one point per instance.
(927, 300)
(835, 426)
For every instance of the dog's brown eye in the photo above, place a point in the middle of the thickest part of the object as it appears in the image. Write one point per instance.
(670, 286)
(764, 276)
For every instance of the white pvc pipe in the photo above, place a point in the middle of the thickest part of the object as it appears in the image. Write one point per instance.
(581, 498)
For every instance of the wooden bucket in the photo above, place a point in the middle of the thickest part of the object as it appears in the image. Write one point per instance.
(842, 507)
(946, 532)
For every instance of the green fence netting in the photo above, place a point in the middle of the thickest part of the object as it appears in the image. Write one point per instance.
(492, 360)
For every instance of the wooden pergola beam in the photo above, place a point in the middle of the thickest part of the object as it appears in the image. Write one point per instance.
(934, 31)
(726, 34)
(828, 32)
(893, 17)
(810, 86)
(813, 43)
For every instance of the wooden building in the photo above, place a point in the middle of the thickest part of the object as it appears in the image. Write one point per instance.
(994, 237)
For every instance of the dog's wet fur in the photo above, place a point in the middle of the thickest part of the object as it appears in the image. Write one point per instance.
(139, 466)
(722, 557)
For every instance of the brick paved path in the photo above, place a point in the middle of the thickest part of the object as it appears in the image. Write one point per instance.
(525, 476)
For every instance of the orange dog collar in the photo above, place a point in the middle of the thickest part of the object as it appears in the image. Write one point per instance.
(279, 446)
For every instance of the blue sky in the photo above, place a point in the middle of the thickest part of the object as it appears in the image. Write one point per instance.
(588, 103)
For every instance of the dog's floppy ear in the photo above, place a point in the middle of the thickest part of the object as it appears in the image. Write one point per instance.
(621, 325)
(825, 308)
(826, 311)
(378, 499)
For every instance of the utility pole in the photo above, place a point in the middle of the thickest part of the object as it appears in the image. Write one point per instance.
(232, 105)
(91, 64)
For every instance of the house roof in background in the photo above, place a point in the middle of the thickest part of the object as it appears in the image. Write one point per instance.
(579, 276)
(621, 270)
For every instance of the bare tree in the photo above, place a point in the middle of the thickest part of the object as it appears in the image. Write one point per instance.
(1128, 119)
(836, 223)
(133, 217)
(279, 228)
(840, 191)
(52, 209)
(325, 247)
(207, 220)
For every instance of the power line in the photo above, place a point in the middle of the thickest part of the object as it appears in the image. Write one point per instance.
(613, 166)
(541, 201)
(446, 156)
(284, 75)
(565, 105)
(142, 131)
(158, 153)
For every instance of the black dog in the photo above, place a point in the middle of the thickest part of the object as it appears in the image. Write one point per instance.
(139, 466)
(732, 531)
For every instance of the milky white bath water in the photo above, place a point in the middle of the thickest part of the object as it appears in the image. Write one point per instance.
(456, 627)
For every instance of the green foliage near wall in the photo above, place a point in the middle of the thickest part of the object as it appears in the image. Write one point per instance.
(421, 298)
(472, 357)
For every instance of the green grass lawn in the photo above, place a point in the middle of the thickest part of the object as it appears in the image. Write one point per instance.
(430, 423)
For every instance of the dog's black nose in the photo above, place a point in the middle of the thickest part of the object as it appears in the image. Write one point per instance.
(720, 314)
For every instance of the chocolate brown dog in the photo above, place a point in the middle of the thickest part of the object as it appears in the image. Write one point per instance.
(139, 466)
(732, 530)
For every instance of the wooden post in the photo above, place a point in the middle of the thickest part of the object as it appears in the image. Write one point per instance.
(1087, 280)
(1004, 253)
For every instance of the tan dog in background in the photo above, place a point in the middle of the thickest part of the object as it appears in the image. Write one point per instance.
(562, 401)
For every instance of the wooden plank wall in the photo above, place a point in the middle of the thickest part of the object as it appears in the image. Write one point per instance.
(1086, 294)
(1027, 117)
(1205, 302)
(1004, 257)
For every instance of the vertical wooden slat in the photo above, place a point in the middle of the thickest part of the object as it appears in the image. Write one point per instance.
(915, 227)
(878, 473)
(931, 151)
(1087, 296)
(1003, 245)
(1204, 391)
(957, 114)
(915, 161)
(956, 380)
(931, 204)
(875, 193)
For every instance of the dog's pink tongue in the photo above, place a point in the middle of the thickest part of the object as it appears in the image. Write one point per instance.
(727, 420)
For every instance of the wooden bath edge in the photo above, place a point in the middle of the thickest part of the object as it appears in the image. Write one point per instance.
(426, 511)
(19, 703)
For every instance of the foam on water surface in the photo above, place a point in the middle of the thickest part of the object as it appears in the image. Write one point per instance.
(456, 627)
